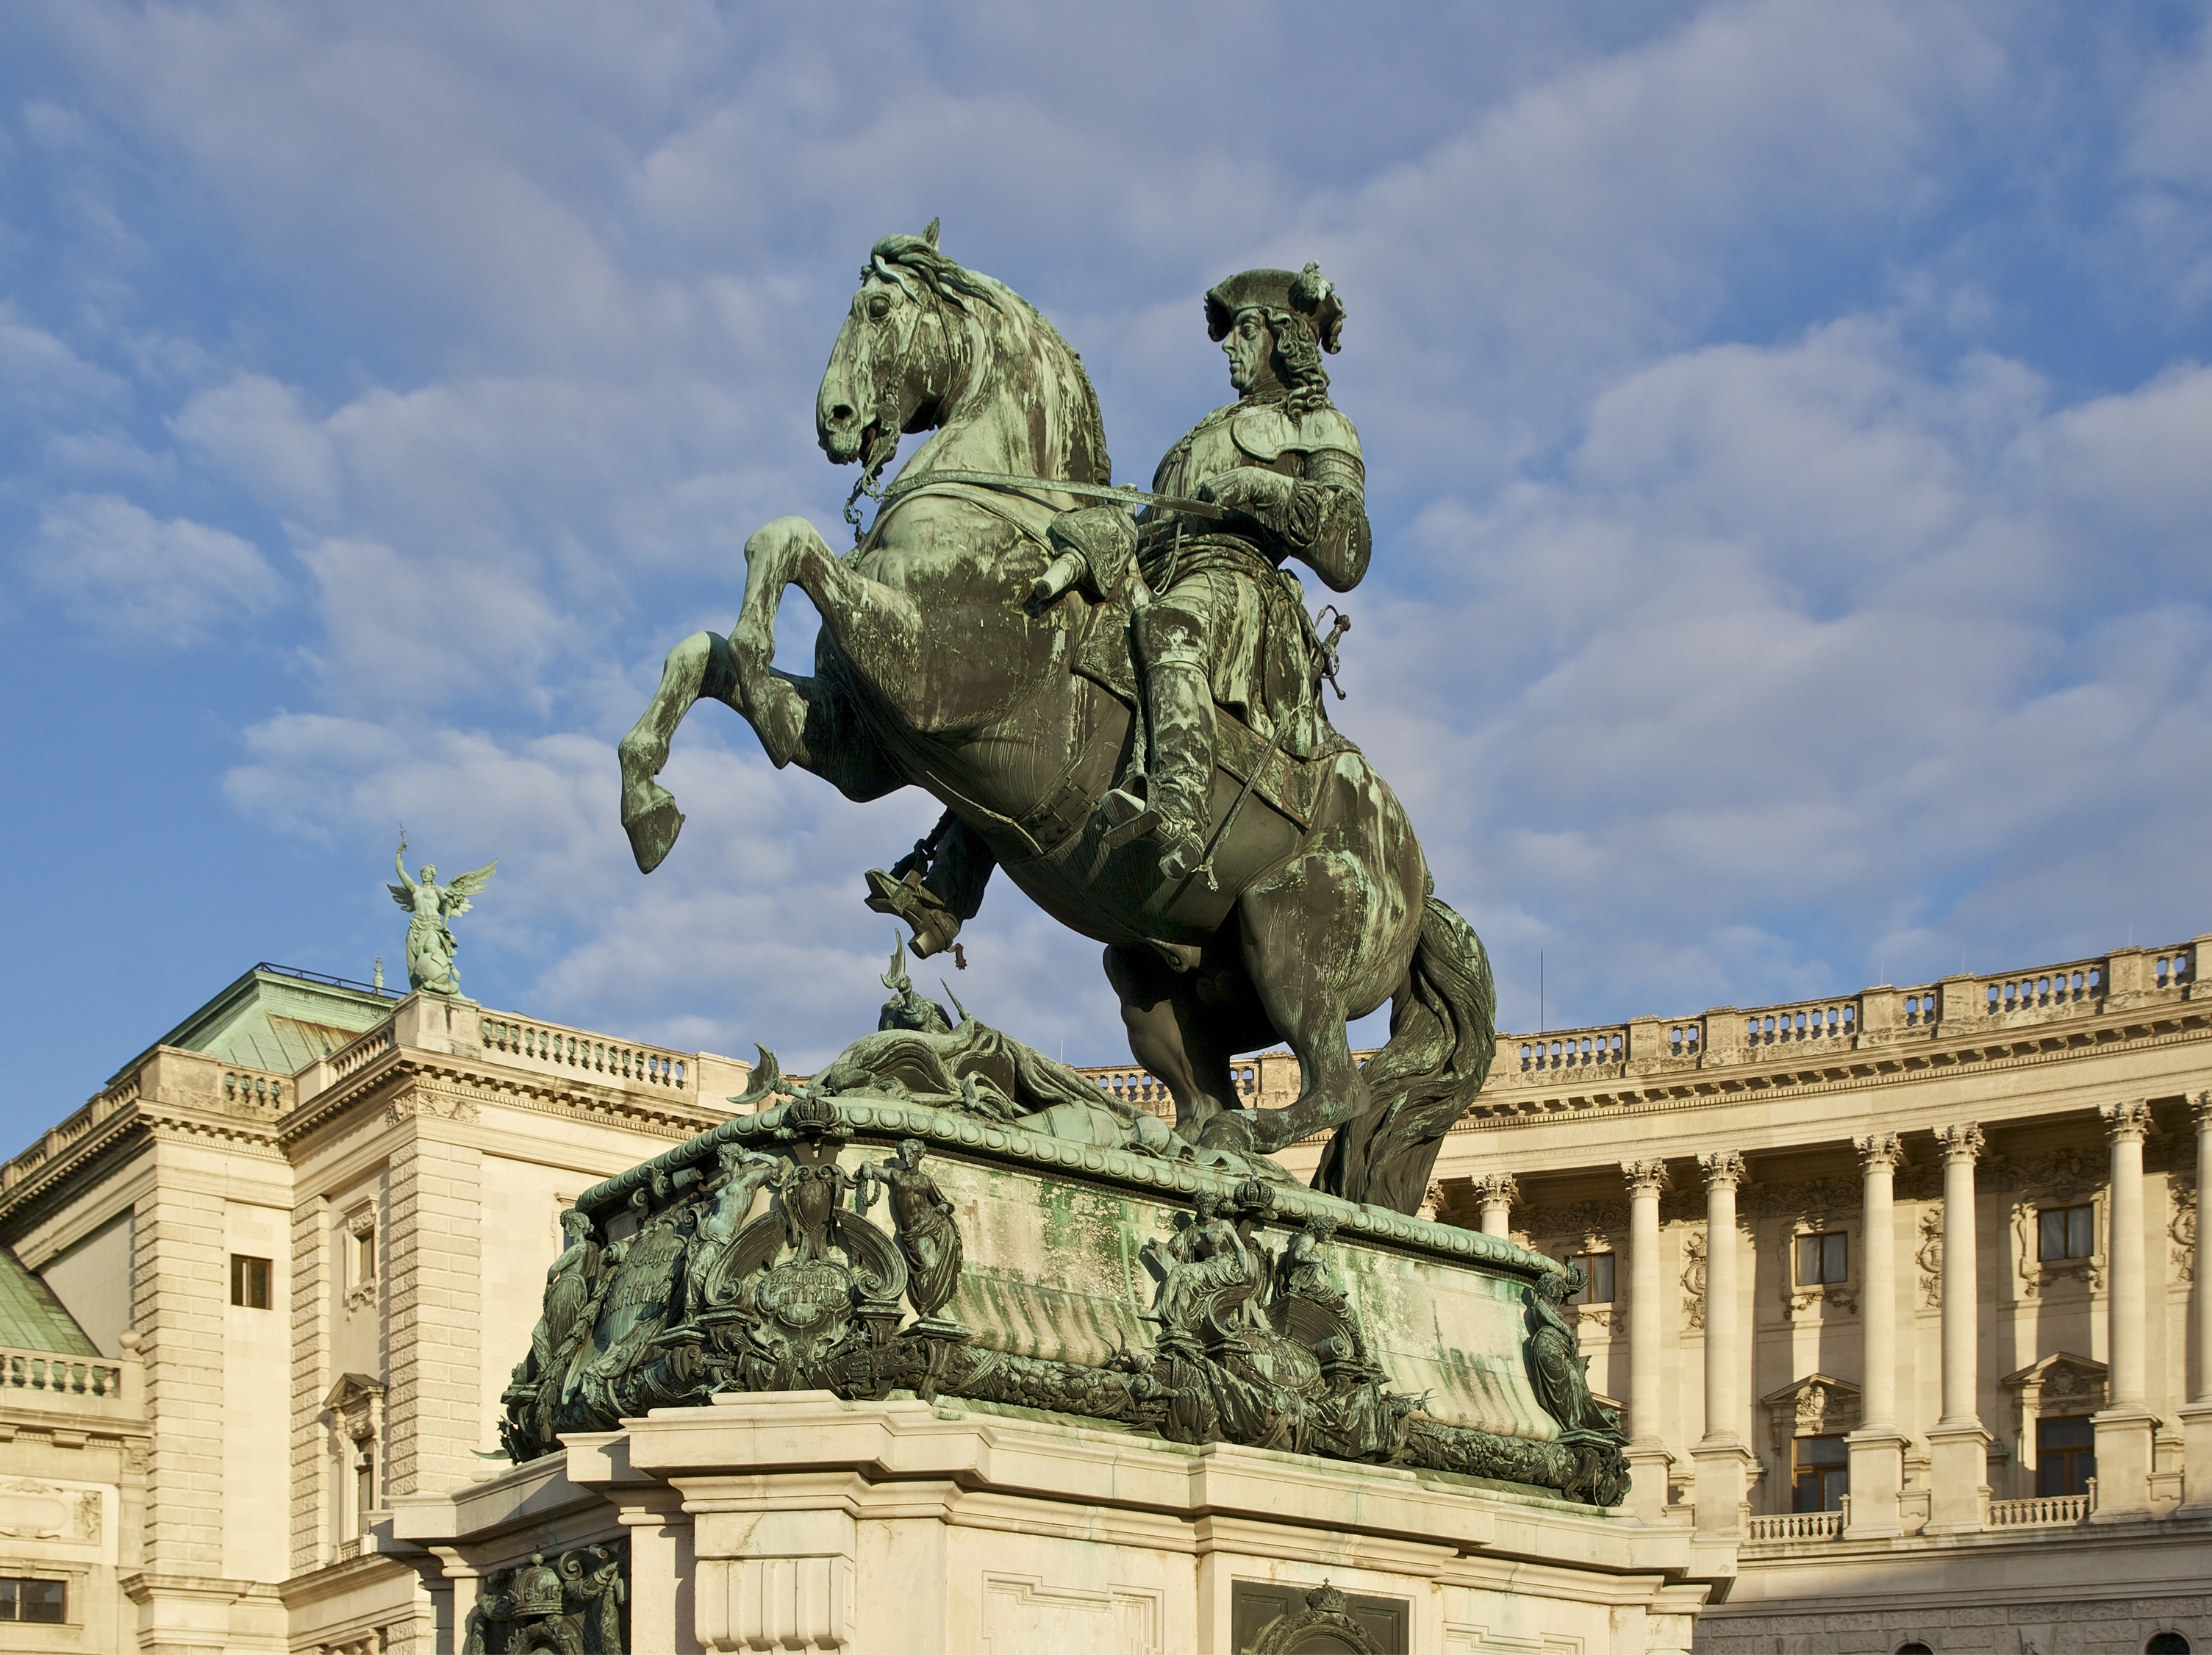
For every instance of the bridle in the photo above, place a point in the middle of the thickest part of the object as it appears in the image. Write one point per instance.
(883, 445)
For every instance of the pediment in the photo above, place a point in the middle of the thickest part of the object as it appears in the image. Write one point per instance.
(1818, 1405)
(351, 1390)
(2060, 1373)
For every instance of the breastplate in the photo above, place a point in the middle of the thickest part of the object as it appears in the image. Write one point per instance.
(1207, 450)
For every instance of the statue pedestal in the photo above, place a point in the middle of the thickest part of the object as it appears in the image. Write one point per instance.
(1074, 1390)
(795, 1521)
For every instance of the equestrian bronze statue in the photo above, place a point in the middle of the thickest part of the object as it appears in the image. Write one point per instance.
(1124, 712)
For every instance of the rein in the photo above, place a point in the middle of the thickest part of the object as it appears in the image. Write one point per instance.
(1012, 483)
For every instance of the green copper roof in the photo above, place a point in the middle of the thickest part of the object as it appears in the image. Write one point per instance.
(32, 1319)
(278, 1019)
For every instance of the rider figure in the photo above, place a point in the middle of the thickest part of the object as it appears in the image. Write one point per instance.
(1286, 462)
(1287, 465)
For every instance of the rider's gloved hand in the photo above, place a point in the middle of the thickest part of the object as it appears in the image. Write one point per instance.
(1247, 489)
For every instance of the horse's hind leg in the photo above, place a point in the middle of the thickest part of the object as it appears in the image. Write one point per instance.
(700, 666)
(1173, 1035)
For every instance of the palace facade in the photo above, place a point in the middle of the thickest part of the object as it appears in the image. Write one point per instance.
(1898, 1292)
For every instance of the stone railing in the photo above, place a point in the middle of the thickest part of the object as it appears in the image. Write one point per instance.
(359, 1053)
(1960, 1007)
(1581, 1049)
(1794, 1525)
(257, 1089)
(574, 1051)
(2043, 1512)
(57, 1138)
(91, 1385)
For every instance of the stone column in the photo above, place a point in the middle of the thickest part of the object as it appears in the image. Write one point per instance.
(1648, 1458)
(1877, 1447)
(2196, 1417)
(1959, 1446)
(1723, 1459)
(1496, 1192)
(2125, 1425)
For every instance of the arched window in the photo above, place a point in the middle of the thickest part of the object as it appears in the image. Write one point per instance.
(1914, 1649)
(2168, 1643)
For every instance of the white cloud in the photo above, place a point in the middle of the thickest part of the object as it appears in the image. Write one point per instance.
(129, 576)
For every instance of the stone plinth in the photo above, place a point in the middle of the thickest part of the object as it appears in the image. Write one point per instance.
(796, 1521)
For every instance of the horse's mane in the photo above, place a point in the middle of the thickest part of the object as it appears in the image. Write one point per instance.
(1062, 435)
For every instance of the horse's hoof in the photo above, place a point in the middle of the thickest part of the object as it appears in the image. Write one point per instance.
(652, 835)
(1230, 1130)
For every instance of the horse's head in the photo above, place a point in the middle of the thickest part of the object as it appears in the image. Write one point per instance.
(894, 357)
(929, 342)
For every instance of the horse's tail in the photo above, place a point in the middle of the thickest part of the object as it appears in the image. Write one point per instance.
(1443, 1036)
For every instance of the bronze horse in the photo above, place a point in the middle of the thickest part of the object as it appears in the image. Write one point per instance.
(933, 669)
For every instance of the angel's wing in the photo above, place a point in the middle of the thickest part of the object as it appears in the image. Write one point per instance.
(403, 895)
(459, 890)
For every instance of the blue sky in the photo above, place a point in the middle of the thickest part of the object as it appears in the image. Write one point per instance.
(1787, 430)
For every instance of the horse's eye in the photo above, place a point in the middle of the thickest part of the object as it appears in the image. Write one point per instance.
(879, 305)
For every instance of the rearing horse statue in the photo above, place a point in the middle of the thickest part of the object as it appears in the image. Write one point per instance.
(939, 666)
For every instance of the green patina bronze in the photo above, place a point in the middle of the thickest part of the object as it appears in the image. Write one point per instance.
(430, 944)
(1124, 713)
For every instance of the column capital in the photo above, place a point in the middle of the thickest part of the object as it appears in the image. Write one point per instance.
(1644, 1178)
(1962, 1142)
(1723, 1169)
(2201, 1107)
(1497, 1186)
(1880, 1150)
(2128, 1122)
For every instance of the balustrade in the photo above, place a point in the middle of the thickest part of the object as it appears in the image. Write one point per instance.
(551, 1047)
(1794, 1525)
(359, 1053)
(1921, 1007)
(1836, 1020)
(1575, 1049)
(255, 1086)
(2042, 1512)
(2046, 988)
(1684, 1040)
(77, 1382)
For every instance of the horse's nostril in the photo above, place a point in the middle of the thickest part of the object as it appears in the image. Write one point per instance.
(839, 414)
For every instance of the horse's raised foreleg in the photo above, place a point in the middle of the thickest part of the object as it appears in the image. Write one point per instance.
(877, 628)
(700, 666)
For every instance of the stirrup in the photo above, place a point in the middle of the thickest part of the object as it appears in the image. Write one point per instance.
(1126, 818)
(935, 925)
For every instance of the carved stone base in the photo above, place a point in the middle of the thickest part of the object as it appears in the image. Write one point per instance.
(1156, 1294)
(795, 1521)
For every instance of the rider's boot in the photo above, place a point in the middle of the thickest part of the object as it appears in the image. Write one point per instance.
(933, 920)
(1180, 775)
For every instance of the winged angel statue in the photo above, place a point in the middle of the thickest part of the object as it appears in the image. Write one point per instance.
(430, 944)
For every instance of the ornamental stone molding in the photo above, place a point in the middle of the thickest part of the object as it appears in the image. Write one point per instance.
(1693, 1280)
(1723, 1168)
(1928, 1256)
(1880, 1149)
(2063, 1176)
(1961, 1141)
(1818, 1405)
(2127, 1122)
(2181, 1228)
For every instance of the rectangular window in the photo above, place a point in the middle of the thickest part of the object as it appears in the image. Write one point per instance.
(249, 1281)
(2065, 1456)
(1597, 1268)
(364, 1257)
(1823, 1260)
(2064, 1232)
(1822, 1468)
(364, 1488)
(24, 1599)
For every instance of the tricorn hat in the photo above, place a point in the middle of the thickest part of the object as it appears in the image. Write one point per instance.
(1305, 293)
